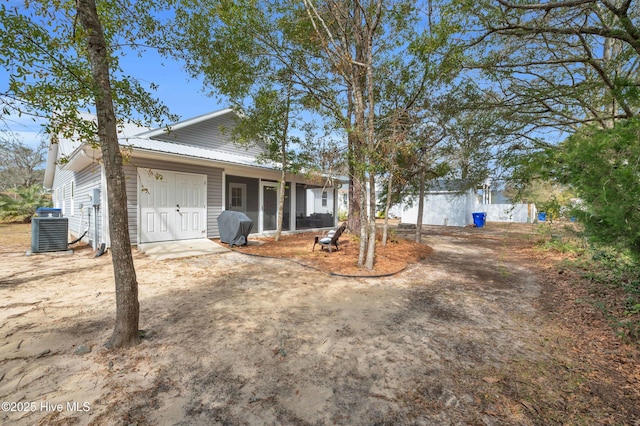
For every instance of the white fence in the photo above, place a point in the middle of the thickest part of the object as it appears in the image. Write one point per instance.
(454, 209)
(519, 213)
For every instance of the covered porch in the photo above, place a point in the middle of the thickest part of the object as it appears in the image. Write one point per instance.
(306, 206)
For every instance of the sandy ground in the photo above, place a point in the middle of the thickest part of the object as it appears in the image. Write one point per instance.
(462, 337)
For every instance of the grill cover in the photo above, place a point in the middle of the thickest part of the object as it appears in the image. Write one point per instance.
(234, 227)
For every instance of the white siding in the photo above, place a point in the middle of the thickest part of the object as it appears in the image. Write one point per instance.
(314, 200)
(214, 191)
(213, 134)
(448, 208)
(78, 208)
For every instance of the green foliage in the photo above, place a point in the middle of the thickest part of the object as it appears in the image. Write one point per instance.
(269, 121)
(43, 49)
(393, 235)
(548, 196)
(20, 204)
(619, 270)
(602, 167)
(550, 237)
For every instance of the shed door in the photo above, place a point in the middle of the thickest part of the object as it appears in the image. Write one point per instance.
(172, 205)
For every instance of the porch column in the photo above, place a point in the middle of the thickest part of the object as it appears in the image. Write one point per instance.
(292, 205)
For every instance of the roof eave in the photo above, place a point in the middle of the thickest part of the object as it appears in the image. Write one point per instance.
(49, 171)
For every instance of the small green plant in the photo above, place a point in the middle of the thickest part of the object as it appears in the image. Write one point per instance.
(561, 240)
(392, 235)
(612, 274)
(562, 246)
(20, 204)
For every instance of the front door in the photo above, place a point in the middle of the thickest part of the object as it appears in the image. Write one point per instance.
(269, 206)
(172, 205)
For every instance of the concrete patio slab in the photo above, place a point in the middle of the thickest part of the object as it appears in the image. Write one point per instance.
(185, 248)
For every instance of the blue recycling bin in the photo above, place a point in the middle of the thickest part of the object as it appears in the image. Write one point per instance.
(479, 218)
(542, 216)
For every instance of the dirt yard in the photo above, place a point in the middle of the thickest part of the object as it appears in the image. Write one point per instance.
(478, 328)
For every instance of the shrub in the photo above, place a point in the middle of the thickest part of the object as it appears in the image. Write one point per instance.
(20, 204)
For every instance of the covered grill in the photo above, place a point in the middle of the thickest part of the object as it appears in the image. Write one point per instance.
(234, 227)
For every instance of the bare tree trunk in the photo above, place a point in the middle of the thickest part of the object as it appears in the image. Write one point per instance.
(420, 206)
(371, 250)
(281, 193)
(352, 58)
(363, 226)
(355, 188)
(283, 159)
(387, 207)
(370, 126)
(125, 333)
(360, 161)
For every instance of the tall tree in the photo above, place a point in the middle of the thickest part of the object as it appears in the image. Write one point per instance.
(242, 46)
(62, 59)
(557, 64)
(269, 121)
(571, 67)
(347, 33)
(20, 165)
(331, 49)
(125, 332)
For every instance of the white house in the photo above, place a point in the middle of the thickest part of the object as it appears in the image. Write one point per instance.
(445, 204)
(178, 182)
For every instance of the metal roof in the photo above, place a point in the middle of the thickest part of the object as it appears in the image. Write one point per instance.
(163, 147)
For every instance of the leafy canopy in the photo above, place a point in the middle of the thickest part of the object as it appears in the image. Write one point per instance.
(602, 166)
(43, 48)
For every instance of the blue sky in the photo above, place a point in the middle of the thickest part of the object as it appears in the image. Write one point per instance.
(184, 96)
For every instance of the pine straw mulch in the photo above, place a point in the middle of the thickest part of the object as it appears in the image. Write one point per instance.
(390, 259)
(591, 314)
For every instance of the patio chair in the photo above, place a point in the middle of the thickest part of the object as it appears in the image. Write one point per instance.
(330, 240)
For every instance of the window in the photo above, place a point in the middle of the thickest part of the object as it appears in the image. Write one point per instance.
(73, 209)
(324, 198)
(238, 197)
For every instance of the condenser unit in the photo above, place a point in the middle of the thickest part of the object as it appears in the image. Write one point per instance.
(49, 234)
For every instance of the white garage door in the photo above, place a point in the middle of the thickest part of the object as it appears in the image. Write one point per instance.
(172, 205)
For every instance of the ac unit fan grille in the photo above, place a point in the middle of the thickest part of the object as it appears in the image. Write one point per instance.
(49, 234)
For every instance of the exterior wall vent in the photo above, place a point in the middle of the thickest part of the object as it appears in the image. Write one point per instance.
(49, 234)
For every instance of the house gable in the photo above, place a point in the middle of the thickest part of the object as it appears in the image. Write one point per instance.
(209, 131)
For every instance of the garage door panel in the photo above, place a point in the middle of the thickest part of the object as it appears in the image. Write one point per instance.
(164, 222)
(172, 208)
(163, 196)
(150, 222)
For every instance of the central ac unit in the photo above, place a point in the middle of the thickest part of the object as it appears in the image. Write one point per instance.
(49, 234)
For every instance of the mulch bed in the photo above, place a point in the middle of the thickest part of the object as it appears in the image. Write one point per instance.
(390, 259)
